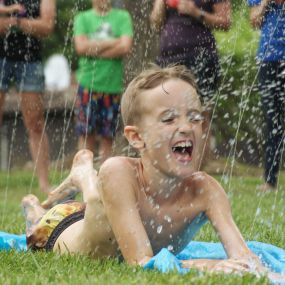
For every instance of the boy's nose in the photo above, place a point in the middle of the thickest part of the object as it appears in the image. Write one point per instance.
(185, 127)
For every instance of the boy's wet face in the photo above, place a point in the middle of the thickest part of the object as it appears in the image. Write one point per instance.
(171, 127)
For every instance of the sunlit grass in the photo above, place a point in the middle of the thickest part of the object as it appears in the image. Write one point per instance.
(260, 217)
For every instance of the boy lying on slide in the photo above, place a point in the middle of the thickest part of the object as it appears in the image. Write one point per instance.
(134, 207)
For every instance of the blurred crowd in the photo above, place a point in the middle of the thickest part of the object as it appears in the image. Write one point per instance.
(103, 37)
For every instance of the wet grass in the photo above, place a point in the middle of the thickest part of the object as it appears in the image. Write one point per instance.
(260, 217)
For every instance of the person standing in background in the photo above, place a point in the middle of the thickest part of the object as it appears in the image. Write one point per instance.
(269, 16)
(186, 38)
(21, 64)
(103, 36)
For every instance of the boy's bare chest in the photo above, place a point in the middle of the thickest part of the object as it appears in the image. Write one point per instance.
(167, 223)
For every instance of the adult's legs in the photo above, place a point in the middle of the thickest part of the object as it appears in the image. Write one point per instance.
(105, 149)
(87, 142)
(96, 115)
(272, 98)
(32, 110)
(2, 99)
(4, 84)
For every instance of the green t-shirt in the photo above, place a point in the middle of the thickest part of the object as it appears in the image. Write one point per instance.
(98, 74)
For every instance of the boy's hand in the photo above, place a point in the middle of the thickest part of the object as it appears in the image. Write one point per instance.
(246, 265)
(230, 266)
(276, 277)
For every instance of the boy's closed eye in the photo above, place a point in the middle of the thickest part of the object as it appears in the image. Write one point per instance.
(168, 119)
(169, 116)
(195, 118)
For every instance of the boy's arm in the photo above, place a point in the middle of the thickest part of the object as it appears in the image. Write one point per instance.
(120, 49)
(257, 13)
(89, 47)
(116, 186)
(218, 211)
(42, 26)
(111, 48)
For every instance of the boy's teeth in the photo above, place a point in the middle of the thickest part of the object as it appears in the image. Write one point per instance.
(184, 144)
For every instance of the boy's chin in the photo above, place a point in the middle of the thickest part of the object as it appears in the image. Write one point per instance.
(183, 170)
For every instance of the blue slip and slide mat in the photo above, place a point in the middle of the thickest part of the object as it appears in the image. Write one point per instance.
(11, 241)
(272, 256)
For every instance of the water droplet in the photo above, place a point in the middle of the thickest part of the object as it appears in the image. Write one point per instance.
(159, 229)
(170, 247)
(167, 218)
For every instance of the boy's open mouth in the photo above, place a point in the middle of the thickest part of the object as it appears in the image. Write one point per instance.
(183, 151)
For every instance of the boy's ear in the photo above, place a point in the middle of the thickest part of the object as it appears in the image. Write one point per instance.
(133, 137)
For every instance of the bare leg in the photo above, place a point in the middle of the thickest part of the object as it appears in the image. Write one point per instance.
(82, 169)
(96, 226)
(33, 212)
(83, 175)
(2, 100)
(266, 188)
(87, 142)
(105, 150)
(32, 109)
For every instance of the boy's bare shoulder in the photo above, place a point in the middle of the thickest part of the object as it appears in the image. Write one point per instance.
(206, 184)
(118, 167)
(117, 162)
(117, 178)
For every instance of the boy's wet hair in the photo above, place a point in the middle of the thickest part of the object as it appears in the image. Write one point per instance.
(146, 80)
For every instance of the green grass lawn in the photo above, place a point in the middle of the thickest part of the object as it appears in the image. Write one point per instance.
(260, 217)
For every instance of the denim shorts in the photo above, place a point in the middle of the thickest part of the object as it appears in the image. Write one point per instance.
(25, 76)
(96, 112)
